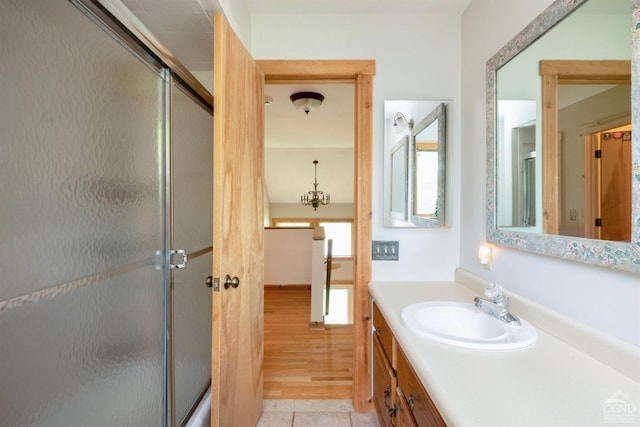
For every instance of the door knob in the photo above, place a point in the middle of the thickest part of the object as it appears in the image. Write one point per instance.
(209, 281)
(233, 282)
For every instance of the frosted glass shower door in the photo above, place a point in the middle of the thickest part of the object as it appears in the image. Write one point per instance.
(82, 196)
(192, 217)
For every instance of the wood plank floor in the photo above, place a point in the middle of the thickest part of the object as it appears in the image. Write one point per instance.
(300, 363)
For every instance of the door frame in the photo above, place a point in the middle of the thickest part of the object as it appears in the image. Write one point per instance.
(359, 73)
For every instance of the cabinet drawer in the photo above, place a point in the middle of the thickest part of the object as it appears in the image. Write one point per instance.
(403, 413)
(420, 404)
(383, 332)
(384, 384)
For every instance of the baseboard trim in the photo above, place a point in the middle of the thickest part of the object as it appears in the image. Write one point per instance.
(287, 287)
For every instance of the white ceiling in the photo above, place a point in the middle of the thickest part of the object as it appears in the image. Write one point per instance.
(292, 139)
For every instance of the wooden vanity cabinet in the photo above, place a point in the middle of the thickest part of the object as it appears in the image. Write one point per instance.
(384, 386)
(418, 401)
(383, 332)
(384, 377)
(399, 397)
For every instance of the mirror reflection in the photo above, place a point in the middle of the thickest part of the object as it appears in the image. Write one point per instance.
(414, 163)
(559, 99)
(555, 102)
(399, 177)
(428, 174)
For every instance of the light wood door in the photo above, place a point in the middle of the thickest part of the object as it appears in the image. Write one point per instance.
(615, 186)
(238, 312)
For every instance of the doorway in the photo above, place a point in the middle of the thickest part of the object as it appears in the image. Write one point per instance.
(306, 147)
(359, 73)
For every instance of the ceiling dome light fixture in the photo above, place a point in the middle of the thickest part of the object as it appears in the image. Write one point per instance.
(315, 197)
(307, 101)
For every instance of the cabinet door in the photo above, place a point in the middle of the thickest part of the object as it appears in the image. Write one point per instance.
(384, 382)
(383, 332)
(418, 400)
(403, 412)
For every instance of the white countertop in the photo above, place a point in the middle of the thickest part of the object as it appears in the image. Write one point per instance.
(548, 384)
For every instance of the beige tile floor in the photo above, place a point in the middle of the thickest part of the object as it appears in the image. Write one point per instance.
(314, 413)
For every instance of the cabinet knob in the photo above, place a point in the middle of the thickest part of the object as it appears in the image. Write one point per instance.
(410, 400)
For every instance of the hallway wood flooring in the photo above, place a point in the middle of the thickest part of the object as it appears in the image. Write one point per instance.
(300, 363)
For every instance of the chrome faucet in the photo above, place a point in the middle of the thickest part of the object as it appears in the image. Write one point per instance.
(498, 307)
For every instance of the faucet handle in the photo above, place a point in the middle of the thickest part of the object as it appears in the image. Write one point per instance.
(494, 291)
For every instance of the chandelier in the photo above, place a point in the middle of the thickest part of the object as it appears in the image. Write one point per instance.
(315, 197)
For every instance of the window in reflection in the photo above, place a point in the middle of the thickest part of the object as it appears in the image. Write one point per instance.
(426, 179)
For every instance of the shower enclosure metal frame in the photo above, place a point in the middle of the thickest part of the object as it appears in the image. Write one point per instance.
(121, 25)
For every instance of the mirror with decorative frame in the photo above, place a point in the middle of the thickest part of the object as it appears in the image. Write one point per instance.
(414, 163)
(559, 99)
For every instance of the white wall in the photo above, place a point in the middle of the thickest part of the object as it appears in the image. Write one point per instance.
(417, 57)
(237, 13)
(287, 256)
(603, 298)
(297, 210)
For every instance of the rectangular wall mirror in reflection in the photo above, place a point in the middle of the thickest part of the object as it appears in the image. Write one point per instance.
(414, 163)
(560, 151)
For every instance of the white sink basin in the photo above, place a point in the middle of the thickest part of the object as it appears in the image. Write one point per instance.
(464, 325)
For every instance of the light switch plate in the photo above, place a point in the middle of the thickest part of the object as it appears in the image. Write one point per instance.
(385, 250)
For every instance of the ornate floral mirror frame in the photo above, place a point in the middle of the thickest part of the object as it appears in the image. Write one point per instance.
(617, 255)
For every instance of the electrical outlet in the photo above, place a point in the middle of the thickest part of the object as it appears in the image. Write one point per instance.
(573, 214)
(385, 250)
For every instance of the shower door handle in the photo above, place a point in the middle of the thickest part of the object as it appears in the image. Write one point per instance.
(233, 282)
(180, 252)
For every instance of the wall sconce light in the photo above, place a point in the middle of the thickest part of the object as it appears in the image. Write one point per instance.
(307, 101)
(485, 255)
(401, 121)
